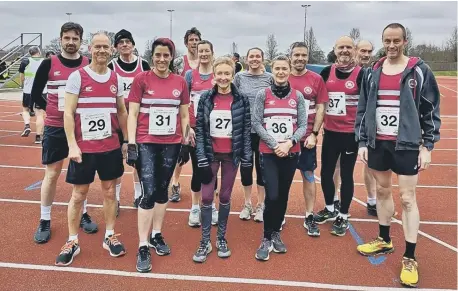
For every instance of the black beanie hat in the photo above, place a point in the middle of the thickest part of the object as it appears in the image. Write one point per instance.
(123, 34)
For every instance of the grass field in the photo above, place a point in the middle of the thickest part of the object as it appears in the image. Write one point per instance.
(11, 84)
(445, 73)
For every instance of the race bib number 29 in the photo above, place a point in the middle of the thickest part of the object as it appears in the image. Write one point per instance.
(387, 120)
(336, 105)
(162, 120)
(96, 126)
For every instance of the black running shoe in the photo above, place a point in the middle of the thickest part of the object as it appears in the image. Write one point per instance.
(337, 205)
(279, 246)
(324, 215)
(340, 226)
(158, 243)
(311, 226)
(176, 193)
(87, 225)
(70, 250)
(136, 202)
(144, 260)
(43, 233)
(26, 131)
(114, 246)
(372, 210)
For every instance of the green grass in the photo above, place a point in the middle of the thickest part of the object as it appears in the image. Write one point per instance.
(11, 84)
(445, 73)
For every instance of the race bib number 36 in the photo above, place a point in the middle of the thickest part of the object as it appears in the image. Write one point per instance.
(387, 120)
(61, 98)
(221, 123)
(162, 120)
(279, 127)
(336, 105)
(95, 126)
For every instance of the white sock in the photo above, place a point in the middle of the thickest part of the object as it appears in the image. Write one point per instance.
(118, 191)
(193, 207)
(137, 189)
(73, 237)
(344, 216)
(307, 214)
(153, 234)
(371, 201)
(213, 205)
(109, 232)
(46, 212)
(330, 207)
(336, 197)
(85, 206)
(143, 244)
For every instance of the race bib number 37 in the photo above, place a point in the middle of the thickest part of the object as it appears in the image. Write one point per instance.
(95, 126)
(387, 120)
(162, 120)
(279, 127)
(336, 105)
(61, 98)
(221, 123)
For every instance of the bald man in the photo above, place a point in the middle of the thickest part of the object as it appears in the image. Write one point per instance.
(364, 50)
(342, 79)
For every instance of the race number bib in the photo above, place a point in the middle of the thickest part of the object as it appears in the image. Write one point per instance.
(127, 82)
(336, 105)
(221, 123)
(61, 98)
(195, 97)
(280, 127)
(162, 120)
(387, 120)
(95, 126)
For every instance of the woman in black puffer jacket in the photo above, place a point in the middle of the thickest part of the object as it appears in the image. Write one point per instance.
(223, 139)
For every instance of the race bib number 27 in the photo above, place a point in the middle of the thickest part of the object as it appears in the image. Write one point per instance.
(221, 123)
(95, 126)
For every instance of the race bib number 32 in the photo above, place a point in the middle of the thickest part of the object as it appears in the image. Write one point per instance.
(279, 127)
(387, 120)
(61, 98)
(221, 123)
(336, 105)
(162, 120)
(95, 126)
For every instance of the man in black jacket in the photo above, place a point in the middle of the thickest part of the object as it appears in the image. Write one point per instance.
(397, 125)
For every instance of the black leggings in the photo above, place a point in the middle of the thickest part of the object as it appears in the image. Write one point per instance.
(155, 166)
(278, 175)
(248, 180)
(335, 144)
(196, 183)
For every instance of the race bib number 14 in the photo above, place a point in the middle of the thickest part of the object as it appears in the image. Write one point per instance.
(95, 126)
(336, 105)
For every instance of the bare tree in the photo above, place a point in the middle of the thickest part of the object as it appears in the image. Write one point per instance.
(271, 47)
(331, 57)
(409, 46)
(452, 44)
(316, 55)
(147, 53)
(53, 45)
(355, 34)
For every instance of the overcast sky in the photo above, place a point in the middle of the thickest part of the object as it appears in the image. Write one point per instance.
(246, 23)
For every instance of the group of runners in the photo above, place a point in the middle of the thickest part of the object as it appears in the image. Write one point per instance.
(159, 116)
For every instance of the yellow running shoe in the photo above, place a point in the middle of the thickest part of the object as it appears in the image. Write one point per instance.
(376, 247)
(409, 272)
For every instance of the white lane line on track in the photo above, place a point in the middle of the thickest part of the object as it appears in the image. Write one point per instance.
(214, 279)
(238, 178)
(448, 88)
(446, 223)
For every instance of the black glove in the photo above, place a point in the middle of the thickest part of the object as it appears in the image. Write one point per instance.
(246, 170)
(183, 157)
(205, 172)
(132, 154)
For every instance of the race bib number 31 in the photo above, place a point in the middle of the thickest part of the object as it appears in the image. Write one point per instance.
(221, 123)
(387, 120)
(279, 127)
(61, 98)
(162, 120)
(95, 126)
(336, 105)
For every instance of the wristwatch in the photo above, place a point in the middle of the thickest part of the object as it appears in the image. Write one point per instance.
(315, 133)
(293, 141)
